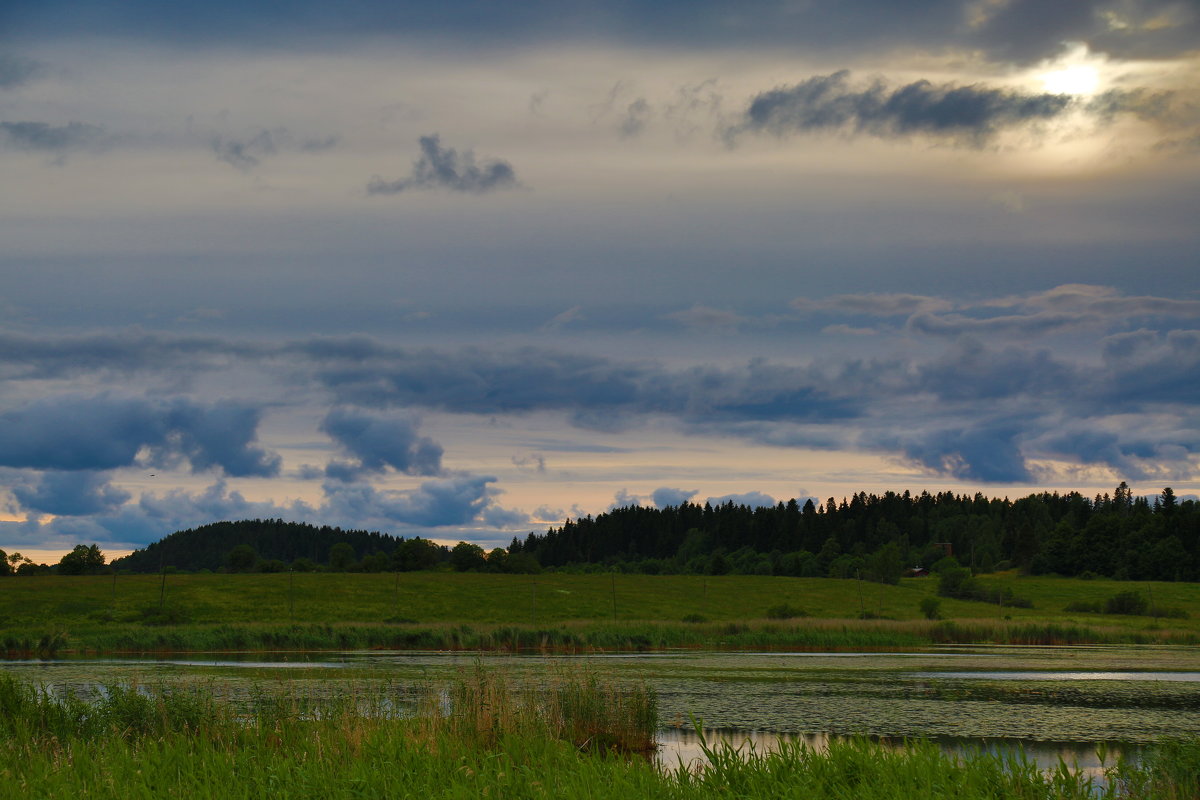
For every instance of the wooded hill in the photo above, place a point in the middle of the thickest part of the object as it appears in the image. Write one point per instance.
(1119, 536)
(277, 544)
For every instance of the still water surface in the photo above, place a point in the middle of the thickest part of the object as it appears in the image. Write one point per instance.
(1053, 703)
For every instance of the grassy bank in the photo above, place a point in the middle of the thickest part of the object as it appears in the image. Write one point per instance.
(150, 613)
(474, 738)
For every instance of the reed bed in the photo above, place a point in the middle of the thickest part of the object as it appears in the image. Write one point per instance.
(476, 738)
(582, 637)
(482, 707)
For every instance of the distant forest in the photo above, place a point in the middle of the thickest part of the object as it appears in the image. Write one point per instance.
(876, 537)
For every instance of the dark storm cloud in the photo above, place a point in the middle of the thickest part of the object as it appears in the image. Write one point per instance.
(665, 496)
(218, 436)
(445, 168)
(967, 114)
(97, 433)
(42, 137)
(77, 493)
(444, 502)
(16, 70)
(981, 450)
(377, 442)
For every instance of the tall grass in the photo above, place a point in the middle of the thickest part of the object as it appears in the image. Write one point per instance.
(478, 738)
(800, 635)
(483, 708)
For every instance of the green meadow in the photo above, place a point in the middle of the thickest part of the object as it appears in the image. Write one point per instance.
(433, 610)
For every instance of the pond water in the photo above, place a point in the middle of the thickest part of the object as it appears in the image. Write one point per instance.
(1050, 702)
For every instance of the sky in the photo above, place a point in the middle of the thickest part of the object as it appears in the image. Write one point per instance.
(465, 269)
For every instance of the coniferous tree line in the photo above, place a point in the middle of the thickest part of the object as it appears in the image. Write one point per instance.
(879, 537)
(875, 537)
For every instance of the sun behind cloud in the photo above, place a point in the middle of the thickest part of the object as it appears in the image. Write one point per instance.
(1079, 79)
(1076, 73)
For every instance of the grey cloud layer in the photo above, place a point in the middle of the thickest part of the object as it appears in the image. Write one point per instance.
(1020, 30)
(247, 152)
(971, 114)
(55, 139)
(975, 411)
(16, 70)
(441, 167)
(1070, 307)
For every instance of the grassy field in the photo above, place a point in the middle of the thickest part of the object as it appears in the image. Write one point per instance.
(474, 738)
(463, 610)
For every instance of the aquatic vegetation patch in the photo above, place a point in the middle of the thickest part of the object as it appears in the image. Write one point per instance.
(478, 737)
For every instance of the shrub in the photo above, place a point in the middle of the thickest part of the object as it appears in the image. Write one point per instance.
(1131, 603)
(931, 607)
(1128, 603)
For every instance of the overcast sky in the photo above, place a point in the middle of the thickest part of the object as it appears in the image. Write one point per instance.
(464, 269)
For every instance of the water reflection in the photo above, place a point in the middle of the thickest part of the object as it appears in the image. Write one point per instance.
(683, 747)
(1174, 677)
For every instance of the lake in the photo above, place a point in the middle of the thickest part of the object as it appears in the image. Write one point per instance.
(1052, 702)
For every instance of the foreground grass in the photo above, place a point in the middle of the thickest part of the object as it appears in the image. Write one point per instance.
(142, 613)
(475, 739)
